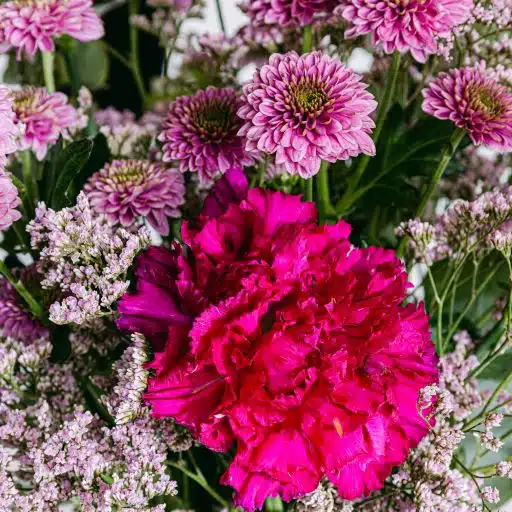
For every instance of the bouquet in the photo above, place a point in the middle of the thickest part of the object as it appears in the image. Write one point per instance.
(241, 272)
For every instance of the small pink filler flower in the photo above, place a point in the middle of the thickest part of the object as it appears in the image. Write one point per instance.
(201, 133)
(31, 25)
(128, 189)
(474, 102)
(44, 118)
(405, 25)
(306, 109)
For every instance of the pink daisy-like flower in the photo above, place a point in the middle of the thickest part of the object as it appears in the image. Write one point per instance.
(127, 189)
(278, 336)
(306, 109)
(286, 13)
(201, 132)
(404, 25)
(8, 129)
(44, 117)
(31, 25)
(474, 102)
(9, 200)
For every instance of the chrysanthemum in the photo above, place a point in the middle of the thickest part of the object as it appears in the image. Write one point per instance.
(7, 127)
(44, 118)
(9, 200)
(405, 25)
(287, 13)
(15, 320)
(201, 132)
(306, 109)
(276, 334)
(474, 102)
(31, 25)
(128, 189)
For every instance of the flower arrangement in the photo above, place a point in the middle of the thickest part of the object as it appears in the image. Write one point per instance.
(286, 290)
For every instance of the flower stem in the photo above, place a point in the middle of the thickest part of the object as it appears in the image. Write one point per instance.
(134, 51)
(220, 16)
(347, 200)
(29, 181)
(324, 197)
(307, 39)
(308, 189)
(49, 79)
(446, 156)
(34, 306)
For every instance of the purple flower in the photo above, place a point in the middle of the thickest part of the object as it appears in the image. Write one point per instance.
(112, 117)
(9, 200)
(15, 320)
(31, 25)
(201, 131)
(44, 117)
(474, 102)
(306, 109)
(127, 189)
(7, 127)
(405, 25)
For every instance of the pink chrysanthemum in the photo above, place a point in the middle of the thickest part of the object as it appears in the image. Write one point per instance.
(201, 132)
(475, 103)
(306, 109)
(288, 13)
(9, 201)
(405, 25)
(16, 322)
(127, 189)
(44, 117)
(277, 335)
(31, 25)
(8, 129)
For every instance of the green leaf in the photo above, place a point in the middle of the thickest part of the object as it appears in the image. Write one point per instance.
(68, 166)
(87, 64)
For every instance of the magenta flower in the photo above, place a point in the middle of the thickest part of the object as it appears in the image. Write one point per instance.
(44, 118)
(16, 322)
(201, 132)
(9, 200)
(404, 25)
(474, 102)
(286, 13)
(8, 129)
(31, 25)
(306, 109)
(278, 336)
(128, 189)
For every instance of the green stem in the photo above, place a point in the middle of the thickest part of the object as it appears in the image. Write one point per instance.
(134, 52)
(49, 79)
(202, 483)
(116, 54)
(29, 181)
(446, 156)
(347, 200)
(307, 39)
(308, 189)
(325, 208)
(34, 306)
(220, 15)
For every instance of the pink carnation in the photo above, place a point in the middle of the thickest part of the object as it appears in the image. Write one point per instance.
(43, 117)
(31, 25)
(201, 133)
(276, 334)
(8, 129)
(474, 102)
(306, 109)
(287, 13)
(127, 189)
(405, 25)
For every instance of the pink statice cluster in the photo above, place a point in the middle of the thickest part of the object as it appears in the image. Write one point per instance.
(402, 25)
(43, 118)
(32, 25)
(83, 260)
(128, 190)
(474, 102)
(305, 109)
(112, 117)
(465, 227)
(276, 334)
(201, 133)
